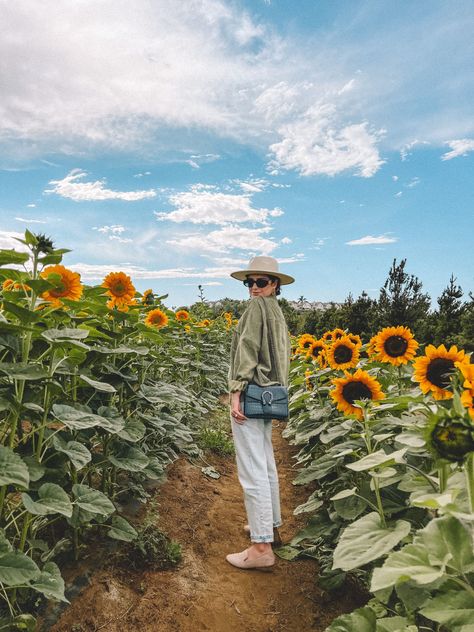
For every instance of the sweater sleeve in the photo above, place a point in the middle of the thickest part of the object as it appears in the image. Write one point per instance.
(248, 347)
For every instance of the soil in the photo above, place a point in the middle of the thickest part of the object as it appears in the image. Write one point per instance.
(205, 593)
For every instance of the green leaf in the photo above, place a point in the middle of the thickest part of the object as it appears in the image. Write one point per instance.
(133, 431)
(12, 256)
(111, 419)
(410, 563)
(128, 458)
(35, 468)
(23, 314)
(448, 542)
(23, 371)
(92, 501)
(25, 622)
(52, 499)
(61, 335)
(454, 609)
(78, 454)
(50, 583)
(350, 508)
(395, 624)
(344, 494)
(312, 504)
(99, 386)
(377, 459)
(76, 419)
(16, 568)
(13, 470)
(122, 530)
(366, 540)
(287, 552)
(362, 620)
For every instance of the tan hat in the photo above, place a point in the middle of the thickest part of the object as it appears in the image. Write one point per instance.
(263, 265)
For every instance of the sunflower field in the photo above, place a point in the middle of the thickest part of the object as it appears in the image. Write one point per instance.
(386, 437)
(100, 388)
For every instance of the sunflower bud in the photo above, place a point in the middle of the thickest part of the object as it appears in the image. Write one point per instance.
(44, 244)
(452, 439)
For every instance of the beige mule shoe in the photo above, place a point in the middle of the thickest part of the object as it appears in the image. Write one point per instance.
(241, 560)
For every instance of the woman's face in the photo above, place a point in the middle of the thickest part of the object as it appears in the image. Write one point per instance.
(268, 290)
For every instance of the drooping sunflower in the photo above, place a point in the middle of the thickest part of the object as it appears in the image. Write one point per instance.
(148, 297)
(156, 318)
(338, 333)
(467, 396)
(327, 336)
(182, 314)
(352, 387)
(371, 351)
(307, 380)
(342, 354)
(315, 349)
(396, 345)
(305, 341)
(120, 288)
(323, 359)
(432, 371)
(67, 284)
(451, 439)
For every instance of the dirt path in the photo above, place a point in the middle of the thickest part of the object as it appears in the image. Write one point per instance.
(204, 593)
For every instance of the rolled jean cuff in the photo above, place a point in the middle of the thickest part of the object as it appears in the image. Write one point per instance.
(277, 524)
(261, 538)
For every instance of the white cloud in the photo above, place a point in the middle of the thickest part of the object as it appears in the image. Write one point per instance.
(30, 221)
(317, 143)
(286, 240)
(196, 160)
(121, 240)
(370, 241)
(8, 241)
(395, 178)
(399, 194)
(142, 175)
(31, 205)
(115, 229)
(405, 151)
(459, 147)
(203, 205)
(226, 239)
(69, 187)
(413, 182)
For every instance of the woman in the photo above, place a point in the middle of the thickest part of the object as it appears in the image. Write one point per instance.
(260, 353)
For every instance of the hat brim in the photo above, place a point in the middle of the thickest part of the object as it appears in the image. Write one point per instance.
(241, 275)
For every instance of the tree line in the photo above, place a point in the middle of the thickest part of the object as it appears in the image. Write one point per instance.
(401, 301)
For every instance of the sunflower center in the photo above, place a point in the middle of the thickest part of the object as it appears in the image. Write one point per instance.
(342, 354)
(119, 289)
(395, 346)
(438, 372)
(356, 390)
(307, 344)
(316, 351)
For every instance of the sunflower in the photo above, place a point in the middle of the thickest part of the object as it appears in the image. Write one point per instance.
(327, 336)
(67, 284)
(182, 314)
(9, 285)
(395, 345)
(342, 354)
(348, 389)
(228, 316)
(467, 396)
(148, 297)
(156, 318)
(371, 351)
(204, 323)
(120, 288)
(187, 328)
(305, 341)
(432, 371)
(307, 380)
(355, 338)
(338, 333)
(315, 349)
(451, 439)
(323, 359)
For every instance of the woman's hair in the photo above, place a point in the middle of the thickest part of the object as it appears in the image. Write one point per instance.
(277, 289)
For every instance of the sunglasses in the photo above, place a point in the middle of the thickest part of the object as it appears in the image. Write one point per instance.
(261, 283)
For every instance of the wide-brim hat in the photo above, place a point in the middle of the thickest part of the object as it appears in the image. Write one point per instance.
(263, 265)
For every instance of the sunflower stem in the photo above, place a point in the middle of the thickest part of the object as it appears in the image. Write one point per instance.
(443, 474)
(469, 472)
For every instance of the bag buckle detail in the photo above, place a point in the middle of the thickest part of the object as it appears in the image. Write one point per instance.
(270, 398)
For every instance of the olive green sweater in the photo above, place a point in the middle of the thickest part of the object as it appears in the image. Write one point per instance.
(250, 359)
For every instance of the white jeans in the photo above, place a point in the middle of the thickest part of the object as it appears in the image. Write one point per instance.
(258, 476)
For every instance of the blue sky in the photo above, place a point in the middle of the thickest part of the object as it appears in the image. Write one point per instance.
(174, 141)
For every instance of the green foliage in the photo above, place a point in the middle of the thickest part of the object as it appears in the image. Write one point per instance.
(153, 549)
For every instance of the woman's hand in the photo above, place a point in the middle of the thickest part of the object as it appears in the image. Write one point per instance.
(235, 409)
